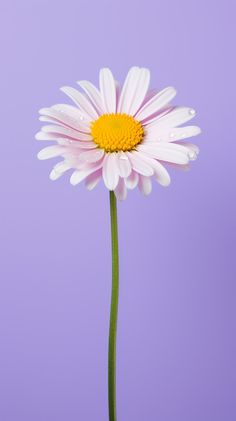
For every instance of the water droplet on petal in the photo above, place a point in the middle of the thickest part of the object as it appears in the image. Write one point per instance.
(192, 111)
(192, 155)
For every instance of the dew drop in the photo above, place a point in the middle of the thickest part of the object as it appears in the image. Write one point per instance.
(192, 111)
(192, 155)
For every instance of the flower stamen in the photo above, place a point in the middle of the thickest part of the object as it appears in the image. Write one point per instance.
(117, 132)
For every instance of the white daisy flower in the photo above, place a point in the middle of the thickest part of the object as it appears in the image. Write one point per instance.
(122, 135)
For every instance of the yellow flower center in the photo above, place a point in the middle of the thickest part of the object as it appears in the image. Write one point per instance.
(116, 132)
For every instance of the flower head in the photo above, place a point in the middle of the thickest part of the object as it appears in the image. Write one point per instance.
(122, 135)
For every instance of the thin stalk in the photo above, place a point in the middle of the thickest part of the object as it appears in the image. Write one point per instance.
(113, 311)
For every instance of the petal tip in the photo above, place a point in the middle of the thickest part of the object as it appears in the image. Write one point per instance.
(42, 111)
(40, 155)
(192, 112)
(53, 175)
(63, 88)
(198, 130)
(37, 136)
(167, 183)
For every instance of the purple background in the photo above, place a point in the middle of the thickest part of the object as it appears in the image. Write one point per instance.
(176, 339)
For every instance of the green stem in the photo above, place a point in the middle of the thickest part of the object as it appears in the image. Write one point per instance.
(113, 311)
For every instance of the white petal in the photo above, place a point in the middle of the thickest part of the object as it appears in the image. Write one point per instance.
(81, 101)
(75, 162)
(78, 144)
(66, 131)
(108, 90)
(145, 185)
(54, 175)
(93, 179)
(120, 190)
(176, 117)
(138, 164)
(128, 89)
(65, 141)
(44, 136)
(150, 94)
(179, 166)
(81, 174)
(118, 91)
(157, 116)
(193, 150)
(184, 132)
(58, 170)
(191, 147)
(184, 147)
(152, 134)
(62, 166)
(140, 91)
(124, 165)
(164, 153)
(66, 115)
(156, 103)
(49, 119)
(110, 171)
(174, 146)
(78, 176)
(50, 152)
(75, 114)
(160, 173)
(93, 94)
(92, 155)
(134, 90)
(62, 138)
(132, 181)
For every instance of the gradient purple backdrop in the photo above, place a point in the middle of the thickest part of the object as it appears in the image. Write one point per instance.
(176, 338)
